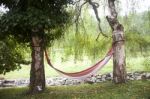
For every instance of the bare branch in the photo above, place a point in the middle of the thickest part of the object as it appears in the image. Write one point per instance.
(95, 6)
(83, 25)
(76, 2)
(79, 9)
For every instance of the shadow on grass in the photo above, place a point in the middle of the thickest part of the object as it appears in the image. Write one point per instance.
(106, 90)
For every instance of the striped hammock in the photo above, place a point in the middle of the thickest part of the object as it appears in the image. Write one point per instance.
(84, 74)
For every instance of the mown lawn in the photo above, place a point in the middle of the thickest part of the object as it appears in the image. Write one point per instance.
(106, 90)
(133, 64)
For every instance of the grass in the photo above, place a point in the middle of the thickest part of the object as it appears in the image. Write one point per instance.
(133, 64)
(106, 90)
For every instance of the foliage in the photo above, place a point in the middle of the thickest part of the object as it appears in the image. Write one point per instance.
(137, 29)
(24, 16)
(146, 63)
(83, 43)
(11, 55)
(106, 90)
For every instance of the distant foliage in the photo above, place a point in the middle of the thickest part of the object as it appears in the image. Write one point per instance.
(146, 63)
(83, 42)
(137, 32)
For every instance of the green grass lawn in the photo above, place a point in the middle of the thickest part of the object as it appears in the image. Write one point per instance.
(133, 64)
(106, 90)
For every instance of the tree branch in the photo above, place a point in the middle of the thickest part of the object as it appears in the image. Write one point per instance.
(95, 6)
(112, 19)
(79, 9)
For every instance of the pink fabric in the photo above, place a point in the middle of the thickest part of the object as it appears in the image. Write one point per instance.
(84, 73)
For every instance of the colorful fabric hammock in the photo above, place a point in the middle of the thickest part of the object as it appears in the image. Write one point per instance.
(84, 74)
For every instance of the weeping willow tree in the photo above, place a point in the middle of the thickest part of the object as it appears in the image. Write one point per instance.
(82, 42)
(119, 64)
(83, 37)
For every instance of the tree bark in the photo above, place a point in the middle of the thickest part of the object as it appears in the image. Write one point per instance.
(119, 64)
(37, 75)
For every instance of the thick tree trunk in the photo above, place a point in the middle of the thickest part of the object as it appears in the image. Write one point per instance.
(119, 64)
(119, 70)
(37, 75)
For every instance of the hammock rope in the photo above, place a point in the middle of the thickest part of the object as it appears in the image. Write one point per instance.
(89, 72)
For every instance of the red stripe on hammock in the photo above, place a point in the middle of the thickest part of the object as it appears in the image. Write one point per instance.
(81, 73)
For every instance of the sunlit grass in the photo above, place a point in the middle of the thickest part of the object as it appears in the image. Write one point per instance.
(106, 90)
(133, 64)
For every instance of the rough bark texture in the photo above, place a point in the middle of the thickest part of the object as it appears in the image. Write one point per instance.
(119, 64)
(37, 75)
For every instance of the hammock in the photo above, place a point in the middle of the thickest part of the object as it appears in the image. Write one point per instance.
(89, 72)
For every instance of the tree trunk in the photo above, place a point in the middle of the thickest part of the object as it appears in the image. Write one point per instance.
(119, 64)
(37, 75)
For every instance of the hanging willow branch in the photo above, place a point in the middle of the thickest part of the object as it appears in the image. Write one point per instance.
(78, 9)
(95, 6)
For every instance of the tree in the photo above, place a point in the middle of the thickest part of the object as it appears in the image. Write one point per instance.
(119, 64)
(119, 70)
(38, 23)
